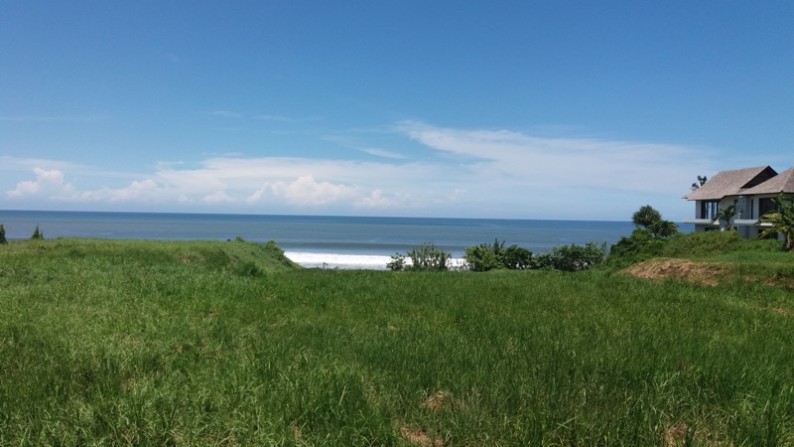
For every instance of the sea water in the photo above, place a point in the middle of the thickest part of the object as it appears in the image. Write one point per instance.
(319, 241)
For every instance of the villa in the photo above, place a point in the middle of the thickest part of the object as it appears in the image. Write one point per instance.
(749, 190)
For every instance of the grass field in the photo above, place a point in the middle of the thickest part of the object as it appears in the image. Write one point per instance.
(226, 344)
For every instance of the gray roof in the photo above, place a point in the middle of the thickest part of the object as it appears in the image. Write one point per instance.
(732, 183)
(783, 182)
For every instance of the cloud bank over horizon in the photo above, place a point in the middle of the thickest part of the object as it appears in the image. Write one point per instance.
(458, 173)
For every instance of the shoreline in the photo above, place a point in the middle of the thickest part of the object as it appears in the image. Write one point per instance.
(350, 261)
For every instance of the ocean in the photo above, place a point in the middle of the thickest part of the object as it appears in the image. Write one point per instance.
(318, 241)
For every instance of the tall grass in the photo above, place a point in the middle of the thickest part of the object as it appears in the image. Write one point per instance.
(141, 343)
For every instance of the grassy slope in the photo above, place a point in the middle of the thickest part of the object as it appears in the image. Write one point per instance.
(183, 343)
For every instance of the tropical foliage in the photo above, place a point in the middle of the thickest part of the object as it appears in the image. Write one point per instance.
(651, 220)
(647, 240)
(701, 181)
(727, 214)
(782, 221)
(486, 257)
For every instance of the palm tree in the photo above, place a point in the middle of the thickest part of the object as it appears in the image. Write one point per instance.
(782, 220)
(727, 214)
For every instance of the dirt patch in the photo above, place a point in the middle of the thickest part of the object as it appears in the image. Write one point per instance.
(675, 435)
(697, 272)
(783, 311)
(437, 401)
(420, 437)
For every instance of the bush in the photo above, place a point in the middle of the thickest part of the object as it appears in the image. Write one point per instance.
(397, 263)
(641, 245)
(424, 257)
(3, 239)
(484, 257)
(428, 257)
(517, 258)
(37, 234)
(572, 258)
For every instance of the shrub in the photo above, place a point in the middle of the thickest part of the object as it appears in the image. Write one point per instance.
(517, 258)
(572, 258)
(397, 263)
(641, 245)
(428, 257)
(37, 234)
(486, 257)
(3, 239)
(647, 241)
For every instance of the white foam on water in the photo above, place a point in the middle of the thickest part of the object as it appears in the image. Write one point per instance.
(350, 262)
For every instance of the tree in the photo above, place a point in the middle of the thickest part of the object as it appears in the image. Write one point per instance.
(701, 181)
(646, 216)
(37, 234)
(647, 240)
(727, 215)
(782, 220)
(3, 239)
(651, 220)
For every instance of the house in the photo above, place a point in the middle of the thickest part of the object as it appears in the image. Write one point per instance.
(750, 190)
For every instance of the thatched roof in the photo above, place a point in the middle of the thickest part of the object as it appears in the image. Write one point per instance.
(732, 183)
(783, 182)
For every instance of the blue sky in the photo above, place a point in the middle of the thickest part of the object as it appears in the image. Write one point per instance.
(506, 109)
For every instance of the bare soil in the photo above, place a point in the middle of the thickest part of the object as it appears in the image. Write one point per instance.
(681, 269)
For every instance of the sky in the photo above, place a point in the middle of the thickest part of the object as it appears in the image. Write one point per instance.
(581, 110)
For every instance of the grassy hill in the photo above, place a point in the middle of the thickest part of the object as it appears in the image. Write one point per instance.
(227, 343)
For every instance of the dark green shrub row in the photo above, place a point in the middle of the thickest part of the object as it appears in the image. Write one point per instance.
(572, 258)
(484, 257)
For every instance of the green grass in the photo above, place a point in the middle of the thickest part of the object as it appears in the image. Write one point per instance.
(210, 343)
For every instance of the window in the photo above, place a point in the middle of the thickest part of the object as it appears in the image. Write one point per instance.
(765, 205)
(709, 209)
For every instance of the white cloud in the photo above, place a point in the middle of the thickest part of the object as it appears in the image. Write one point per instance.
(554, 164)
(218, 197)
(138, 191)
(465, 172)
(305, 190)
(376, 199)
(47, 182)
